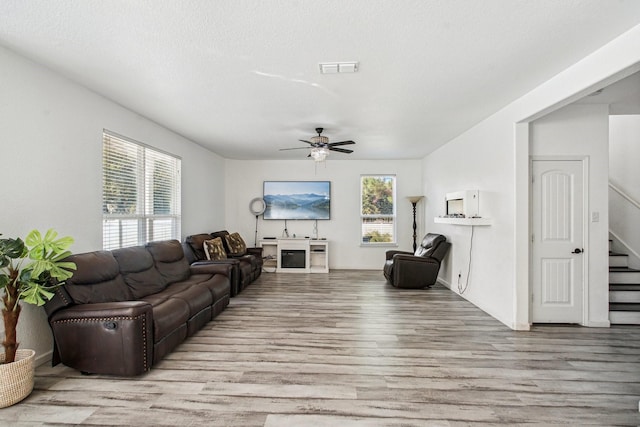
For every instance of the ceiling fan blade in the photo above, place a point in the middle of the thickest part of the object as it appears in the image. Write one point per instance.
(308, 142)
(341, 150)
(333, 144)
(295, 148)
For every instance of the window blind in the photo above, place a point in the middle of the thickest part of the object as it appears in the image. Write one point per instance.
(141, 193)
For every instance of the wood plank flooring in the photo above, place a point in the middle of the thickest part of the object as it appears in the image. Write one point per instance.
(346, 349)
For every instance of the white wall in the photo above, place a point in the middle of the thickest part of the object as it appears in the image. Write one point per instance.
(624, 153)
(583, 130)
(493, 157)
(244, 182)
(479, 160)
(51, 174)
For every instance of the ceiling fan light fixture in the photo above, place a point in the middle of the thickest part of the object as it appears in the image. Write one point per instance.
(320, 147)
(319, 154)
(320, 140)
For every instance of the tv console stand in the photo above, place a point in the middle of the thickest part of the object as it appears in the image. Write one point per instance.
(295, 255)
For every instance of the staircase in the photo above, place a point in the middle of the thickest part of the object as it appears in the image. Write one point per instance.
(624, 290)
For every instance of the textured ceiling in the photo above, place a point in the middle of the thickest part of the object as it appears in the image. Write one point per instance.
(241, 76)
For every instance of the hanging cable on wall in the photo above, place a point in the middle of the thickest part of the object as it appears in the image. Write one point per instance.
(462, 289)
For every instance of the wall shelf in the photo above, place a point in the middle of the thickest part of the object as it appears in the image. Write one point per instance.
(463, 221)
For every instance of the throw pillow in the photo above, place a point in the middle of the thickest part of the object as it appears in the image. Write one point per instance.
(214, 250)
(236, 245)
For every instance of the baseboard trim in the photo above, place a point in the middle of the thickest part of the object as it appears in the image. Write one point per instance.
(43, 358)
(443, 283)
(597, 324)
(520, 326)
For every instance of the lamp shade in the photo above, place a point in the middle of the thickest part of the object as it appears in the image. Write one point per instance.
(415, 199)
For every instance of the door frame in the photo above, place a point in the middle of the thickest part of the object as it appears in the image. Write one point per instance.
(585, 230)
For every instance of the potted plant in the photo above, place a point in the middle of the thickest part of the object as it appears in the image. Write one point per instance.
(30, 270)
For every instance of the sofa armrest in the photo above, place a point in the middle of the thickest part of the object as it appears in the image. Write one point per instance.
(255, 251)
(108, 338)
(412, 258)
(223, 267)
(60, 300)
(390, 254)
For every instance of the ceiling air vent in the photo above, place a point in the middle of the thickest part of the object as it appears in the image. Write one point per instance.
(338, 67)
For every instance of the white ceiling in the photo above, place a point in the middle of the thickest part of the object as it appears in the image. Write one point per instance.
(241, 77)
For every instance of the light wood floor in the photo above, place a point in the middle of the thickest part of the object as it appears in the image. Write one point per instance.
(345, 349)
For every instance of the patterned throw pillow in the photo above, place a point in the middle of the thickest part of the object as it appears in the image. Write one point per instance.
(214, 250)
(236, 245)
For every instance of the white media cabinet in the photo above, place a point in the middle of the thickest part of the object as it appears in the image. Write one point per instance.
(295, 255)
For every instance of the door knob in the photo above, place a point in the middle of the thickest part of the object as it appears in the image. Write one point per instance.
(577, 251)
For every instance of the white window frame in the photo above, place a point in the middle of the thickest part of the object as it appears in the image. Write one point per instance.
(143, 219)
(392, 217)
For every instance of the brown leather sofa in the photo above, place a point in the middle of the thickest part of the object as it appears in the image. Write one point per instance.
(246, 267)
(122, 311)
(420, 269)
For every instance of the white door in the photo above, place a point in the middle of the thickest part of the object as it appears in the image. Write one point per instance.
(557, 241)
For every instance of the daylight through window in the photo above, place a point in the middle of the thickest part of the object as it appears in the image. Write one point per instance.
(378, 209)
(140, 193)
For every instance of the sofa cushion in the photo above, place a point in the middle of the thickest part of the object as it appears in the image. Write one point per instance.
(97, 279)
(222, 235)
(214, 249)
(196, 242)
(196, 297)
(169, 260)
(169, 314)
(429, 244)
(236, 245)
(139, 271)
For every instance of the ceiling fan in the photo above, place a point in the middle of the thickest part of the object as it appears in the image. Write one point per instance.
(320, 146)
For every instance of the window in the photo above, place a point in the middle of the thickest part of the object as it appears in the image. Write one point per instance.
(378, 209)
(140, 193)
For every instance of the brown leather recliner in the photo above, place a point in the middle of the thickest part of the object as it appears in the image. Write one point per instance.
(420, 269)
(245, 268)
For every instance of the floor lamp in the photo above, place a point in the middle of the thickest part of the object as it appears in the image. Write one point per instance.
(414, 201)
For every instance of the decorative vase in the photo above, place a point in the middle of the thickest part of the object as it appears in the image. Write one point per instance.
(16, 378)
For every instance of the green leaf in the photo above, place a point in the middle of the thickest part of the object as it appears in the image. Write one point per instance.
(60, 273)
(60, 256)
(67, 265)
(62, 244)
(34, 238)
(35, 294)
(11, 248)
(25, 275)
(47, 246)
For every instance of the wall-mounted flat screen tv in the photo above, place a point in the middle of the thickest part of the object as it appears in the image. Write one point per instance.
(297, 199)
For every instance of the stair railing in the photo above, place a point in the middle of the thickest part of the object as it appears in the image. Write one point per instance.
(624, 195)
(634, 203)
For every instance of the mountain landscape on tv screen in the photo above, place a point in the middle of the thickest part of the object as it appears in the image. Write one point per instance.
(297, 206)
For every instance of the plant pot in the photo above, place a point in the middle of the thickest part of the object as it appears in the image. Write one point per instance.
(16, 379)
